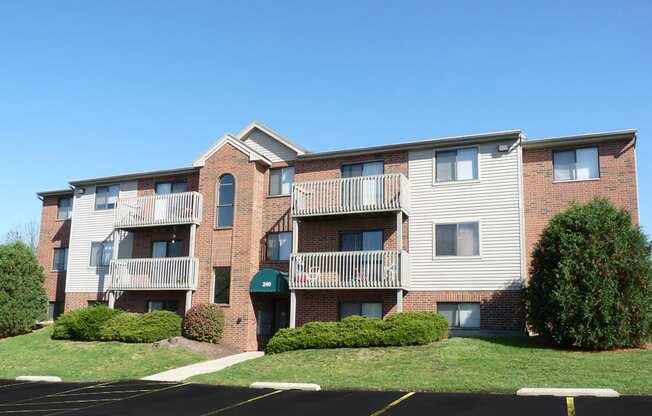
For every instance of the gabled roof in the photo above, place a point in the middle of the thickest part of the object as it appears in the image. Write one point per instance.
(276, 136)
(238, 144)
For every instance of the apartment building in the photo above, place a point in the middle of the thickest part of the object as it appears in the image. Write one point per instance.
(279, 236)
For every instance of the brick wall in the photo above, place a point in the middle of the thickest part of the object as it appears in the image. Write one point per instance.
(543, 198)
(238, 247)
(53, 234)
(499, 310)
(314, 170)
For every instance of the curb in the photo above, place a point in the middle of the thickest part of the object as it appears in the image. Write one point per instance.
(567, 392)
(285, 386)
(49, 379)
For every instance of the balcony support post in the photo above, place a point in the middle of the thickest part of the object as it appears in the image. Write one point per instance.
(399, 230)
(295, 236)
(193, 233)
(114, 257)
(399, 301)
(188, 300)
(293, 309)
(111, 299)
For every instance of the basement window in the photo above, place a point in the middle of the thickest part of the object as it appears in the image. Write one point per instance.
(460, 314)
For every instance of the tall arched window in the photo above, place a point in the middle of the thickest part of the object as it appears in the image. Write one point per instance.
(225, 199)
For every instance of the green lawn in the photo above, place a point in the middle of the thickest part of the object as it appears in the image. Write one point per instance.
(37, 354)
(455, 365)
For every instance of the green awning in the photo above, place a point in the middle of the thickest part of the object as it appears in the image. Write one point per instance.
(269, 281)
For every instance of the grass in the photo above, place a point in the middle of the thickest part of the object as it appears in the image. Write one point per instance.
(498, 365)
(37, 354)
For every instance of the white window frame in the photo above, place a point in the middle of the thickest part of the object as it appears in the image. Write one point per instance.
(95, 208)
(456, 222)
(54, 255)
(104, 244)
(458, 310)
(457, 181)
(267, 240)
(281, 170)
(575, 149)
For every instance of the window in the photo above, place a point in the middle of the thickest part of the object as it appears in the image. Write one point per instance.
(163, 248)
(456, 165)
(225, 198)
(222, 286)
(361, 240)
(92, 303)
(162, 305)
(460, 315)
(54, 310)
(101, 253)
(64, 208)
(106, 196)
(363, 169)
(457, 239)
(171, 187)
(368, 309)
(279, 246)
(576, 164)
(280, 180)
(60, 259)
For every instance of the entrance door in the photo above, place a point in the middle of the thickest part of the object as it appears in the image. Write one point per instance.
(271, 317)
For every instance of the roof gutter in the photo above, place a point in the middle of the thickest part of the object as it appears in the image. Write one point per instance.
(580, 139)
(440, 142)
(131, 176)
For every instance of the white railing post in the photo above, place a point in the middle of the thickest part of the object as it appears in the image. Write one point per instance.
(154, 273)
(158, 210)
(351, 195)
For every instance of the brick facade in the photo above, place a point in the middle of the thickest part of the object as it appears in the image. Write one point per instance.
(543, 197)
(54, 234)
(242, 247)
(499, 310)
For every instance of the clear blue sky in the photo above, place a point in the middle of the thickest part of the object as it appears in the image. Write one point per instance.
(92, 88)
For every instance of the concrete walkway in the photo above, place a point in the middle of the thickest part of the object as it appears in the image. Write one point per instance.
(182, 373)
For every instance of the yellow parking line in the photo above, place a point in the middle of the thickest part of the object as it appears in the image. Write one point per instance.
(253, 399)
(392, 404)
(14, 384)
(53, 394)
(133, 396)
(32, 411)
(570, 406)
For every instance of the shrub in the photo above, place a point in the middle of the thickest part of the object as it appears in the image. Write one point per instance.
(204, 323)
(408, 328)
(591, 280)
(23, 301)
(83, 324)
(142, 328)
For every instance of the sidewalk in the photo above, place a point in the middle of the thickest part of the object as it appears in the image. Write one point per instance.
(182, 373)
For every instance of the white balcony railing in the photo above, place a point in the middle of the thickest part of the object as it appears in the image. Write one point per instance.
(156, 210)
(154, 273)
(351, 195)
(350, 270)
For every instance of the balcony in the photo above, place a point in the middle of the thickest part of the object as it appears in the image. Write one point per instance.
(384, 269)
(170, 273)
(363, 194)
(158, 210)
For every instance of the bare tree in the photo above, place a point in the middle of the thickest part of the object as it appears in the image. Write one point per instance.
(27, 233)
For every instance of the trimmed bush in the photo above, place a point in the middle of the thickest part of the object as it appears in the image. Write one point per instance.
(23, 301)
(142, 327)
(83, 324)
(407, 328)
(591, 280)
(204, 323)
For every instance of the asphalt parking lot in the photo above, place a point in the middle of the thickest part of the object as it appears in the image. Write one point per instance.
(167, 399)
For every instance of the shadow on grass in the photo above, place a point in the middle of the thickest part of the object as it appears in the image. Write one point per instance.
(521, 341)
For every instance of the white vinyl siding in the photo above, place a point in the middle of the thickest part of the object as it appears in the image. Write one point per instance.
(492, 201)
(271, 148)
(89, 225)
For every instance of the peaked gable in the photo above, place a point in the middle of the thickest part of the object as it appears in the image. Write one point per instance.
(238, 144)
